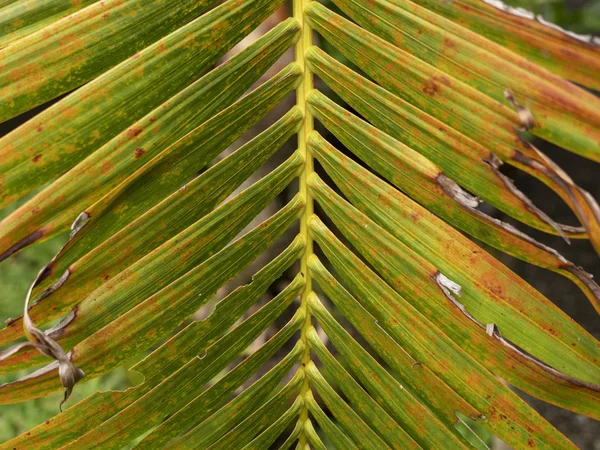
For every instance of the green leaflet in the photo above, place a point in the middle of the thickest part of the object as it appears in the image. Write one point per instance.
(154, 318)
(166, 359)
(242, 406)
(267, 437)
(18, 19)
(461, 158)
(423, 181)
(66, 53)
(553, 49)
(271, 412)
(424, 429)
(71, 129)
(54, 209)
(208, 402)
(163, 221)
(173, 168)
(292, 438)
(337, 437)
(497, 407)
(74, 421)
(487, 301)
(373, 414)
(167, 263)
(564, 113)
(187, 383)
(350, 421)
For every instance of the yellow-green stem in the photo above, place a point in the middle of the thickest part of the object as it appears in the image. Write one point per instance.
(307, 84)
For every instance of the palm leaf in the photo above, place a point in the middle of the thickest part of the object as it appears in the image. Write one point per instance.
(392, 324)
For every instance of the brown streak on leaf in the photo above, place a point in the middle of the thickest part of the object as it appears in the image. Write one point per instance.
(565, 182)
(494, 162)
(26, 241)
(454, 191)
(494, 332)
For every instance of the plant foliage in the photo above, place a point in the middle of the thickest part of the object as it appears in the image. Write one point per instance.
(392, 324)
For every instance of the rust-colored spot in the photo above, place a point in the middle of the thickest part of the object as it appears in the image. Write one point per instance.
(136, 56)
(431, 88)
(449, 43)
(36, 158)
(153, 119)
(39, 129)
(138, 152)
(133, 132)
(35, 210)
(530, 442)
(107, 166)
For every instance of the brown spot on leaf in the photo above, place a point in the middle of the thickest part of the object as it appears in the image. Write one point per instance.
(133, 132)
(138, 152)
(449, 43)
(431, 88)
(36, 158)
(107, 166)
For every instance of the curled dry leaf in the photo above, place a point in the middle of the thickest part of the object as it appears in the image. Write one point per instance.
(68, 372)
(46, 345)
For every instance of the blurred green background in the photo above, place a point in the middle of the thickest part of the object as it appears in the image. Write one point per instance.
(580, 16)
(18, 272)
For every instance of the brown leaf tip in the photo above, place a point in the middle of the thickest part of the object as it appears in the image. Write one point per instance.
(69, 376)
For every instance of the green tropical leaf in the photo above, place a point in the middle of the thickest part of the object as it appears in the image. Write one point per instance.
(293, 273)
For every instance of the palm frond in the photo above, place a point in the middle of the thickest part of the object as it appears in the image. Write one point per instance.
(370, 320)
